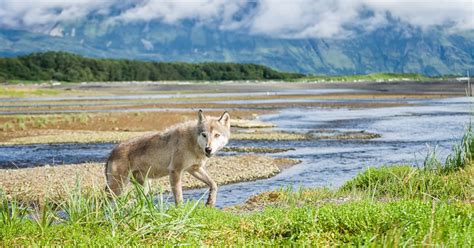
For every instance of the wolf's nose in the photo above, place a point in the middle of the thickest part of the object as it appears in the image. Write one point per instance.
(208, 149)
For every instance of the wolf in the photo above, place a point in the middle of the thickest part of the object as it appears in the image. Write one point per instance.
(185, 147)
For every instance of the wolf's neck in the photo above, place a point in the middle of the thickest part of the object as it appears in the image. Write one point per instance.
(195, 132)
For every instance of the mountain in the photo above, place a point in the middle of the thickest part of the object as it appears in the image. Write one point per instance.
(395, 48)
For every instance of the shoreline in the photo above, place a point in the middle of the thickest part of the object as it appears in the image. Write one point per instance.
(34, 184)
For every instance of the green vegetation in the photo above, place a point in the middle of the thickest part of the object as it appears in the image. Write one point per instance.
(14, 92)
(67, 67)
(369, 77)
(61, 66)
(388, 206)
(23, 122)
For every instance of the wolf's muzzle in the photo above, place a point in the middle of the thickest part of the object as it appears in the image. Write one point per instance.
(208, 151)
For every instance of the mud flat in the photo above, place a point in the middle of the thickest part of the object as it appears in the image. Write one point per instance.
(17, 126)
(64, 136)
(346, 135)
(435, 86)
(241, 123)
(76, 136)
(34, 184)
(82, 137)
(256, 149)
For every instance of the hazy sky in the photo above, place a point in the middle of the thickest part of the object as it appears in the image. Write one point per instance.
(278, 18)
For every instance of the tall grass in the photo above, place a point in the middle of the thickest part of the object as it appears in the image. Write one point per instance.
(460, 156)
(126, 219)
(462, 153)
(12, 213)
(428, 182)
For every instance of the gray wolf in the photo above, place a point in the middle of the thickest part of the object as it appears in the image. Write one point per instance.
(182, 148)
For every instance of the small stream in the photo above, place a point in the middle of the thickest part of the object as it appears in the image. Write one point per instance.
(406, 132)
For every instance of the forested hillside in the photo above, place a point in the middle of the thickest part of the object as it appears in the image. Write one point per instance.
(62, 66)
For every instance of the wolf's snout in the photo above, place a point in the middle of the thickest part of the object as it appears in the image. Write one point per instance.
(208, 151)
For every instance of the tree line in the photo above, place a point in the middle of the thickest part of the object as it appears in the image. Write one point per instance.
(62, 66)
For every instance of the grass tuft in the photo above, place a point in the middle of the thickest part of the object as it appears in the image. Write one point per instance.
(462, 153)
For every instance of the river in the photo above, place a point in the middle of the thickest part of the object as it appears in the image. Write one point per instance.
(407, 134)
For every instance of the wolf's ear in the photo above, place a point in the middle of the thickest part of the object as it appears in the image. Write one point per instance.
(225, 119)
(201, 117)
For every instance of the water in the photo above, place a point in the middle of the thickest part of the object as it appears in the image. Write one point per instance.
(22, 156)
(406, 132)
(180, 95)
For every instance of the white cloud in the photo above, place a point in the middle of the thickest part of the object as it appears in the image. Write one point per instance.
(30, 13)
(178, 10)
(278, 18)
(318, 18)
(428, 13)
(303, 18)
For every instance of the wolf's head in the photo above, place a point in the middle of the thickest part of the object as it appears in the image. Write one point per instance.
(213, 133)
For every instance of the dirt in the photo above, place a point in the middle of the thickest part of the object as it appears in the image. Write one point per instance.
(85, 136)
(55, 136)
(251, 124)
(34, 184)
(339, 135)
(435, 86)
(255, 149)
(218, 102)
(40, 125)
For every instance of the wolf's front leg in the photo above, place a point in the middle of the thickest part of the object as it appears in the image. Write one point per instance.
(176, 187)
(201, 174)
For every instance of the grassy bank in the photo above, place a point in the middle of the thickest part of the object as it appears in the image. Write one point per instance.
(396, 205)
(22, 92)
(374, 77)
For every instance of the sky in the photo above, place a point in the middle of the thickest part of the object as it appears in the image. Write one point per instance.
(291, 19)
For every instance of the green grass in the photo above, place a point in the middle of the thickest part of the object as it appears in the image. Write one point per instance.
(386, 206)
(25, 122)
(17, 81)
(369, 77)
(14, 92)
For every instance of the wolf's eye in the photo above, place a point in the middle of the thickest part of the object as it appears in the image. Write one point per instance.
(204, 135)
(217, 135)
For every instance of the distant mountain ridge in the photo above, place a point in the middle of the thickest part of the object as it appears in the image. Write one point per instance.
(395, 48)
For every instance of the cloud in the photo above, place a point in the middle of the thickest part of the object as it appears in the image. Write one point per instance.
(303, 18)
(30, 13)
(175, 11)
(316, 18)
(277, 18)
